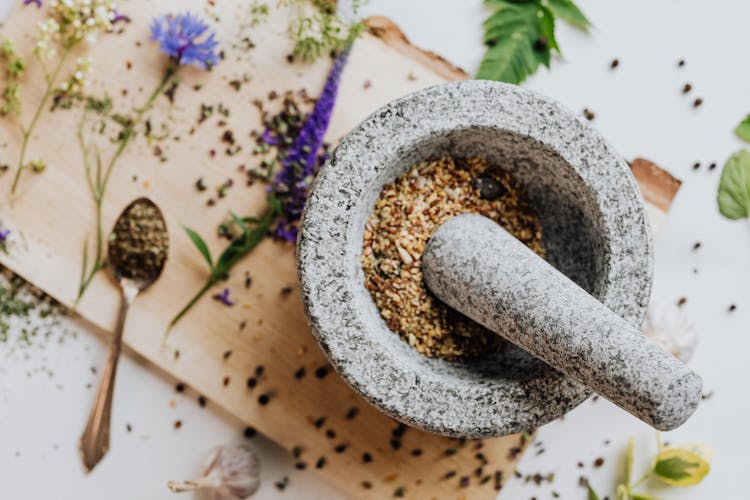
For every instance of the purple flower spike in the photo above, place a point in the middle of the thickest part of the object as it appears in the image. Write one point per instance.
(303, 158)
(178, 36)
(4, 233)
(38, 3)
(223, 297)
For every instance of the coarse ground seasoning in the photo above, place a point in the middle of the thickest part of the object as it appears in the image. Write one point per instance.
(139, 242)
(408, 211)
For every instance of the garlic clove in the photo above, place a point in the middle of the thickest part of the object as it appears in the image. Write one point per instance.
(669, 327)
(229, 473)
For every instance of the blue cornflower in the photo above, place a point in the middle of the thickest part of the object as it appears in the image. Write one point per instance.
(303, 158)
(38, 3)
(4, 233)
(223, 297)
(178, 36)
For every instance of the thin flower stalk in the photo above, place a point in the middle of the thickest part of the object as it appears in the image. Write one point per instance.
(185, 39)
(69, 23)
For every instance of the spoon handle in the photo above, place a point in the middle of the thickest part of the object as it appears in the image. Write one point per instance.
(95, 438)
(475, 266)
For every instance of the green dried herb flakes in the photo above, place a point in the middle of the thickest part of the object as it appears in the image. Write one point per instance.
(139, 242)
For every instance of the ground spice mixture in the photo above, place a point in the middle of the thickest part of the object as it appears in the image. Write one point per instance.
(408, 211)
(139, 241)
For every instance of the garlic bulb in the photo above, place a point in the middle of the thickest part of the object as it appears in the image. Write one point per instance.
(669, 327)
(230, 473)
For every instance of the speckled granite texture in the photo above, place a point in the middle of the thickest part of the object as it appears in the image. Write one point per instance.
(475, 266)
(595, 231)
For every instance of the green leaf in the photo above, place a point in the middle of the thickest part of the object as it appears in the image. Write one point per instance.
(734, 186)
(513, 35)
(743, 129)
(240, 222)
(200, 245)
(641, 496)
(243, 244)
(680, 467)
(592, 493)
(629, 462)
(568, 12)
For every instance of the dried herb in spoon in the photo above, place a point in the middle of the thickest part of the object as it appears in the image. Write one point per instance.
(139, 242)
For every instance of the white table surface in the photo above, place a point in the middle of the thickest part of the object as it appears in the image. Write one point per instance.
(640, 109)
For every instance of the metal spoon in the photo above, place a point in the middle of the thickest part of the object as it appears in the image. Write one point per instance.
(137, 252)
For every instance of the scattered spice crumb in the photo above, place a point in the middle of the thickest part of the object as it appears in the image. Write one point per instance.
(227, 354)
(351, 413)
(696, 165)
(399, 492)
(128, 427)
(598, 462)
(249, 432)
(252, 382)
(202, 401)
(366, 457)
(696, 245)
(697, 102)
(282, 483)
(177, 424)
(732, 307)
(367, 485)
(687, 88)
(300, 373)
(263, 399)
(681, 63)
(321, 372)
(179, 387)
(682, 301)
(614, 64)
(320, 463)
(588, 114)
(225, 382)
(341, 448)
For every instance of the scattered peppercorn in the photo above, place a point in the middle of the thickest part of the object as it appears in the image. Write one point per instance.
(300, 373)
(614, 64)
(588, 114)
(351, 413)
(320, 463)
(250, 432)
(367, 485)
(331, 434)
(259, 370)
(202, 401)
(697, 102)
(252, 382)
(598, 462)
(732, 307)
(227, 354)
(541, 44)
(286, 291)
(449, 474)
(179, 387)
(464, 482)
(687, 88)
(128, 427)
(282, 483)
(416, 452)
(366, 457)
(318, 423)
(177, 424)
(712, 166)
(696, 165)
(321, 372)
(395, 444)
(681, 63)
(263, 399)
(399, 492)
(696, 245)
(225, 381)
(341, 448)
(682, 301)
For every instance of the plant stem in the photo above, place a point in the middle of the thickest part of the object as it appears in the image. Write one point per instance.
(98, 184)
(211, 282)
(27, 131)
(237, 249)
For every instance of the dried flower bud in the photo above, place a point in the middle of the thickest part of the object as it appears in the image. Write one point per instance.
(669, 327)
(230, 473)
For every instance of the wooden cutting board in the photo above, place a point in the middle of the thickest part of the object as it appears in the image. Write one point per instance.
(53, 215)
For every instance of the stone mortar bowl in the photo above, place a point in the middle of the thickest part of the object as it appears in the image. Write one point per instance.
(595, 231)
